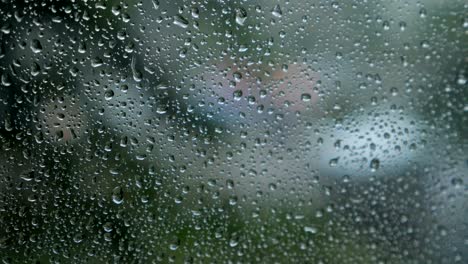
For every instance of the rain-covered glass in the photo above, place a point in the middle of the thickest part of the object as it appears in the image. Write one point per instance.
(216, 131)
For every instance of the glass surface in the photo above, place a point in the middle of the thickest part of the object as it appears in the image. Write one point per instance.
(234, 131)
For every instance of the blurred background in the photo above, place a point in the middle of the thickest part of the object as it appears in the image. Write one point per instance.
(233, 131)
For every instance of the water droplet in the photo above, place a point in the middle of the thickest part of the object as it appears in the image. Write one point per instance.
(461, 79)
(237, 76)
(402, 26)
(35, 69)
(124, 88)
(28, 176)
(230, 184)
(82, 47)
(180, 21)
(386, 25)
(233, 242)
(310, 229)
(423, 13)
(117, 195)
(108, 227)
(36, 46)
(108, 95)
(233, 200)
(374, 165)
(5, 79)
(155, 4)
(339, 55)
(237, 95)
(425, 44)
(174, 246)
(333, 162)
(277, 11)
(195, 12)
(161, 109)
(96, 62)
(241, 16)
(306, 97)
(457, 182)
(78, 238)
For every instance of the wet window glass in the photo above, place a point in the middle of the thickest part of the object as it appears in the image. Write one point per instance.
(212, 131)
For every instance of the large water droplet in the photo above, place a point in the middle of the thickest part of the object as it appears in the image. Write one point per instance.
(241, 16)
(277, 11)
(155, 4)
(36, 46)
(117, 195)
(108, 95)
(180, 21)
(374, 164)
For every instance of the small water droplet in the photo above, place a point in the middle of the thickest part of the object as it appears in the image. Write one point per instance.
(461, 79)
(78, 238)
(233, 242)
(402, 26)
(82, 47)
(310, 229)
(333, 162)
(457, 182)
(423, 13)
